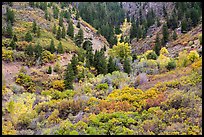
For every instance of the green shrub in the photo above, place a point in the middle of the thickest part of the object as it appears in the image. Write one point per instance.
(171, 64)
(103, 86)
(200, 38)
(49, 70)
(152, 55)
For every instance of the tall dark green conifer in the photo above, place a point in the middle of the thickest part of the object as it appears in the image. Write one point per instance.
(59, 34)
(52, 46)
(70, 30)
(126, 66)
(69, 77)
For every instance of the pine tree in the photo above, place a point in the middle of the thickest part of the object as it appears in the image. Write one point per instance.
(77, 15)
(15, 38)
(9, 15)
(38, 50)
(157, 46)
(52, 46)
(127, 67)
(13, 44)
(111, 65)
(59, 34)
(74, 63)
(9, 30)
(102, 65)
(49, 70)
(79, 38)
(38, 32)
(61, 21)
(78, 24)
(46, 15)
(54, 30)
(165, 33)
(29, 50)
(60, 49)
(69, 77)
(28, 37)
(70, 30)
(63, 31)
(183, 25)
(34, 27)
(55, 12)
(174, 35)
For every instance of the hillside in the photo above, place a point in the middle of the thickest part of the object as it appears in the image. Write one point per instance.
(101, 68)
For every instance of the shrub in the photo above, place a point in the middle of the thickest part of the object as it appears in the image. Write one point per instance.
(58, 84)
(193, 55)
(47, 57)
(103, 86)
(7, 55)
(28, 37)
(164, 51)
(200, 38)
(53, 118)
(57, 67)
(190, 43)
(171, 64)
(152, 55)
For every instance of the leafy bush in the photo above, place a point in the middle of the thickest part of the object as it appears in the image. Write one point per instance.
(193, 55)
(171, 64)
(103, 86)
(200, 38)
(7, 55)
(47, 56)
(152, 55)
(58, 84)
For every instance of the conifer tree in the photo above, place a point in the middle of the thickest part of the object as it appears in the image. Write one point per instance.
(70, 30)
(63, 31)
(54, 29)
(29, 50)
(34, 27)
(111, 65)
(9, 15)
(52, 46)
(79, 38)
(174, 35)
(15, 38)
(59, 34)
(60, 49)
(74, 63)
(127, 67)
(78, 24)
(61, 21)
(165, 34)
(9, 30)
(49, 70)
(12, 44)
(38, 32)
(38, 50)
(157, 46)
(69, 77)
(28, 37)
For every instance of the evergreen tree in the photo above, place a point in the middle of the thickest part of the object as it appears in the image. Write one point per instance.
(60, 49)
(29, 50)
(59, 34)
(77, 15)
(55, 12)
(38, 32)
(52, 46)
(9, 30)
(174, 35)
(49, 70)
(38, 50)
(133, 30)
(34, 27)
(28, 37)
(78, 24)
(46, 15)
(15, 38)
(70, 30)
(74, 62)
(63, 31)
(54, 30)
(111, 65)
(79, 38)
(9, 15)
(157, 46)
(12, 44)
(194, 17)
(164, 11)
(69, 77)
(61, 21)
(102, 65)
(127, 67)
(31, 4)
(183, 25)
(165, 33)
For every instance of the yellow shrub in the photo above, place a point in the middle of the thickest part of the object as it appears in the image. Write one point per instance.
(193, 55)
(58, 84)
